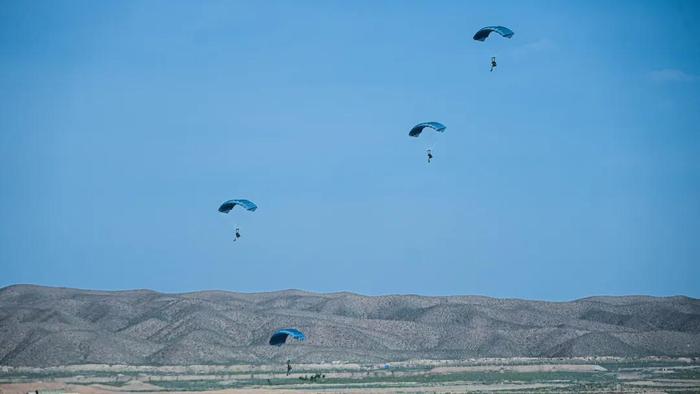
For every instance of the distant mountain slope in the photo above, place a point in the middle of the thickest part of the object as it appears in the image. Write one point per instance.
(45, 326)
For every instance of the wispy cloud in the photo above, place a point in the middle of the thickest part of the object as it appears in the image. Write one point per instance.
(672, 75)
(541, 45)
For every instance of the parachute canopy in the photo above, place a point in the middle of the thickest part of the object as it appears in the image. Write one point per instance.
(484, 32)
(417, 129)
(228, 205)
(280, 336)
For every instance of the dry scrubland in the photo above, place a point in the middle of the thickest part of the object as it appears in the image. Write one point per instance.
(594, 374)
(43, 326)
(95, 341)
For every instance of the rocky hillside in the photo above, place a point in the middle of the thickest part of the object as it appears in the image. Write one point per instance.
(44, 326)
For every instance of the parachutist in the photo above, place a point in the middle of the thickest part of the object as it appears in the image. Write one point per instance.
(227, 206)
(289, 367)
(417, 130)
(484, 32)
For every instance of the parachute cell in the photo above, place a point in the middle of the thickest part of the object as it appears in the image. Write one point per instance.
(280, 336)
(417, 129)
(230, 204)
(484, 32)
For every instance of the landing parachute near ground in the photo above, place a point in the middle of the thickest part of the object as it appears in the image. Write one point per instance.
(227, 206)
(484, 32)
(417, 129)
(280, 336)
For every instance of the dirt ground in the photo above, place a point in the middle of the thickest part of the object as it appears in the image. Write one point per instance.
(98, 389)
(415, 376)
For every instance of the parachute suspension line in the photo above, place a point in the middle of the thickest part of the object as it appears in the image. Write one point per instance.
(431, 141)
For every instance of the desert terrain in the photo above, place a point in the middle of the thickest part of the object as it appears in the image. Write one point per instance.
(584, 374)
(69, 340)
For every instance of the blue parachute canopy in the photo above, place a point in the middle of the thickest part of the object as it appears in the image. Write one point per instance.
(417, 129)
(483, 33)
(280, 337)
(228, 205)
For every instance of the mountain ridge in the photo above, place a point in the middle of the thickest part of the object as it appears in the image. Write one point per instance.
(47, 326)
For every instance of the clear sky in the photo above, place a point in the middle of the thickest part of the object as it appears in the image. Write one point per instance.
(572, 170)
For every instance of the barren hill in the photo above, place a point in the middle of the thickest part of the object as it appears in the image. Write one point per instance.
(45, 326)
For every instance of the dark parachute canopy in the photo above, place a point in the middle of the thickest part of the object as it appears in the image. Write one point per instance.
(228, 205)
(280, 336)
(417, 129)
(484, 32)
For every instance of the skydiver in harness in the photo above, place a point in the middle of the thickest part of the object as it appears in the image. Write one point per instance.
(289, 367)
(493, 63)
(430, 155)
(238, 235)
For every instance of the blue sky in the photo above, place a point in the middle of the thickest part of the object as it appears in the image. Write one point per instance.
(570, 171)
